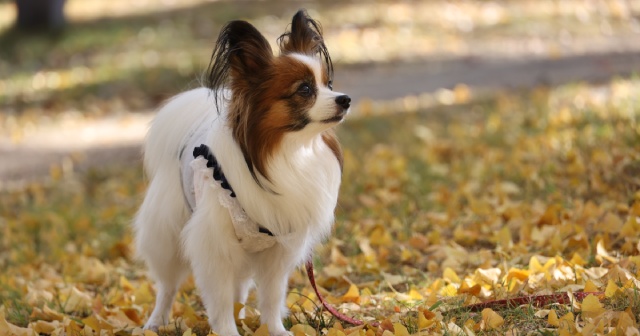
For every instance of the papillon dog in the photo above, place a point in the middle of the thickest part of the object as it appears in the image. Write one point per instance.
(244, 174)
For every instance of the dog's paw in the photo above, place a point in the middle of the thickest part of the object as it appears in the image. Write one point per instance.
(153, 327)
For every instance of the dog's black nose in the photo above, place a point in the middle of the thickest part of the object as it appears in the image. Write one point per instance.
(343, 101)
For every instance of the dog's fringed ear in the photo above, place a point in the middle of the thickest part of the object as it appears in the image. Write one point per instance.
(241, 52)
(306, 38)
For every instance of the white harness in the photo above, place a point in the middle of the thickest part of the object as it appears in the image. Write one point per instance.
(196, 177)
(247, 231)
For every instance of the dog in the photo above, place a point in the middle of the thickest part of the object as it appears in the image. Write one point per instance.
(244, 174)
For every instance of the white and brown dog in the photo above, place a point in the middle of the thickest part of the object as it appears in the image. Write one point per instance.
(262, 184)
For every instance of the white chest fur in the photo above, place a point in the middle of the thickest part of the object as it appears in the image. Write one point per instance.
(302, 194)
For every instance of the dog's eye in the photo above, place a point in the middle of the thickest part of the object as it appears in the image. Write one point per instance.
(304, 90)
(330, 85)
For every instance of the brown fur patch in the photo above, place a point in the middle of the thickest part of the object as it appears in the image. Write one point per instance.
(329, 137)
(305, 37)
(265, 102)
(263, 111)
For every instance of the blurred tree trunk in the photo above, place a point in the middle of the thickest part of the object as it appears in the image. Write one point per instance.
(40, 14)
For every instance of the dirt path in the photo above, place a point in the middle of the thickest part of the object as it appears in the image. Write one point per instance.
(389, 81)
(76, 145)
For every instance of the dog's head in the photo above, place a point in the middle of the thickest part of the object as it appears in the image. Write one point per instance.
(276, 96)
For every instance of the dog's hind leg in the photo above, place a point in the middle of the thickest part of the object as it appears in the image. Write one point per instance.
(158, 225)
(166, 289)
(169, 271)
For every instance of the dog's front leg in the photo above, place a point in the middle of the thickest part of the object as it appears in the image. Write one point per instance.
(272, 281)
(217, 263)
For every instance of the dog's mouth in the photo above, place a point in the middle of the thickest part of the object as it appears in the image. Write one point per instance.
(338, 117)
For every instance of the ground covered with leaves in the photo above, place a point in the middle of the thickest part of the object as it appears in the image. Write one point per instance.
(460, 219)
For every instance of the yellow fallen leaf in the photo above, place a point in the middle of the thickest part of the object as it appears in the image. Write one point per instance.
(589, 286)
(133, 315)
(380, 237)
(504, 239)
(125, 284)
(124, 318)
(237, 307)
(303, 330)
(487, 276)
(552, 319)
(90, 270)
(450, 275)
(45, 314)
(400, 330)
(465, 288)
(611, 290)
(551, 216)
(72, 328)
(418, 241)
(569, 317)
(625, 322)
(515, 273)
(44, 327)
(97, 324)
(352, 295)
(567, 325)
(75, 301)
(602, 254)
(415, 295)
(534, 265)
(622, 275)
(335, 332)
(591, 306)
(449, 290)
(38, 297)
(470, 326)
(611, 223)
(424, 322)
(406, 255)
(576, 259)
(143, 294)
(631, 227)
(148, 332)
(337, 258)
(263, 330)
(367, 250)
(491, 319)
(187, 332)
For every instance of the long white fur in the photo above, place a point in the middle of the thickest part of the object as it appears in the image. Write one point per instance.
(305, 176)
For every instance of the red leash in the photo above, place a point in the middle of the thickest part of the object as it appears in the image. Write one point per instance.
(535, 300)
(340, 316)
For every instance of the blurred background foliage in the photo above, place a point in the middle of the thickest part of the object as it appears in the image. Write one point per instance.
(124, 55)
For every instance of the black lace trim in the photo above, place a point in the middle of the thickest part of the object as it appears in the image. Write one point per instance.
(218, 175)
